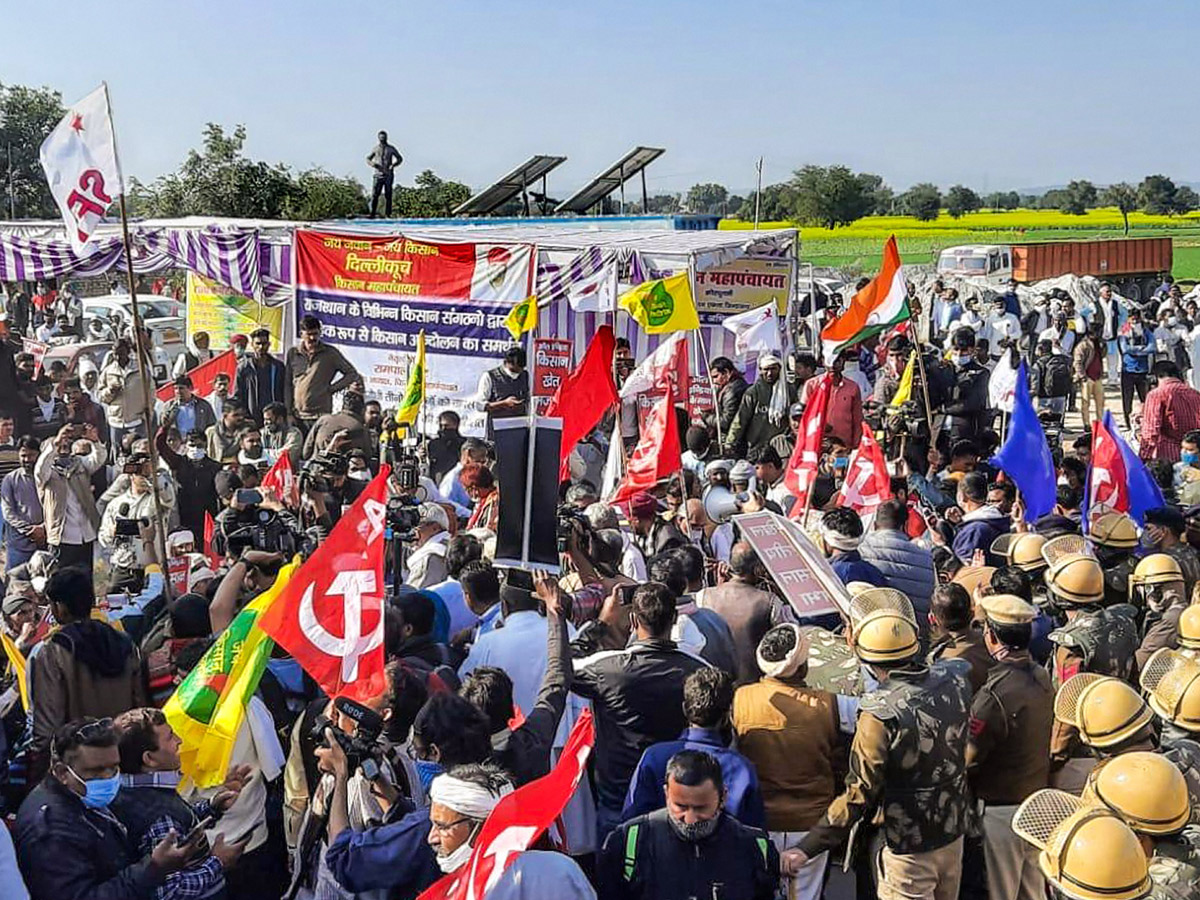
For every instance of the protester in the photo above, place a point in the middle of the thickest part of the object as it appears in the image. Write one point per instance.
(314, 371)
(259, 380)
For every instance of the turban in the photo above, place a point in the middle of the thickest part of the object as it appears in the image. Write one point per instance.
(472, 800)
(837, 540)
(786, 667)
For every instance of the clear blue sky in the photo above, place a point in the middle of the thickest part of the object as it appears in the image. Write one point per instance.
(996, 96)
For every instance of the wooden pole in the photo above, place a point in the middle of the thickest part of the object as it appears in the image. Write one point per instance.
(140, 349)
(925, 393)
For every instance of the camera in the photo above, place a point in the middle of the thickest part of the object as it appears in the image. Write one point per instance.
(403, 517)
(256, 528)
(408, 471)
(316, 472)
(363, 748)
(130, 528)
(571, 518)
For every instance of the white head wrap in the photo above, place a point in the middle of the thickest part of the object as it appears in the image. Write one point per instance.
(778, 407)
(837, 540)
(472, 800)
(787, 666)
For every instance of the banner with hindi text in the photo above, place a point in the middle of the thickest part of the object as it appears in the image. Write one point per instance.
(743, 284)
(374, 294)
(222, 313)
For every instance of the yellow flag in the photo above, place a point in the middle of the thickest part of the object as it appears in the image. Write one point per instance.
(17, 660)
(523, 318)
(904, 390)
(208, 708)
(414, 393)
(663, 305)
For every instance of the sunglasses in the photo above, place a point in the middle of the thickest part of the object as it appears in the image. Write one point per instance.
(82, 734)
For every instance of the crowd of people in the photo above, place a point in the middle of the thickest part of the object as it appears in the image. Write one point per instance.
(1000, 708)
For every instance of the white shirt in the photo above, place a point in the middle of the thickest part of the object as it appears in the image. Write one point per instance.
(633, 563)
(1000, 327)
(1064, 342)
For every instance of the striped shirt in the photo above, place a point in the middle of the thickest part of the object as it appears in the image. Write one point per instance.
(1171, 410)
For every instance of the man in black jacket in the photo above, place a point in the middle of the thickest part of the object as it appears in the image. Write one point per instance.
(68, 843)
(692, 848)
(195, 474)
(636, 690)
(260, 378)
(730, 386)
(968, 398)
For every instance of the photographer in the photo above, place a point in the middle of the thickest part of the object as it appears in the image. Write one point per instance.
(64, 483)
(427, 562)
(253, 520)
(131, 518)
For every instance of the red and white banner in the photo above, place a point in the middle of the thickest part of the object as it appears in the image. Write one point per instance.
(1108, 484)
(668, 365)
(518, 821)
(374, 295)
(867, 483)
(281, 478)
(330, 615)
(802, 467)
(80, 161)
(551, 364)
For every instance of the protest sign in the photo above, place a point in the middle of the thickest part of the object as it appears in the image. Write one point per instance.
(221, 312)
(375, 294)
(551, 364)
(795, 564)
(743, 284)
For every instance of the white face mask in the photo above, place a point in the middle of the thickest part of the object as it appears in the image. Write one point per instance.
(455, 860)
(359, 475)
(195, 453)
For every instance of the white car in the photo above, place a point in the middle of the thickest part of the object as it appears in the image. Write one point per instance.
(108, 317)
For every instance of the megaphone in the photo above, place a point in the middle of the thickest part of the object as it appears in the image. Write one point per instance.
(722, 504)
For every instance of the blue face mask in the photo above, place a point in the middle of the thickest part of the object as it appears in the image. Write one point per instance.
(1190, 458)
(98, 792)
(427, 770)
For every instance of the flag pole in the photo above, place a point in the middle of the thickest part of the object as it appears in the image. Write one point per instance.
(140, 349)
(925, 391)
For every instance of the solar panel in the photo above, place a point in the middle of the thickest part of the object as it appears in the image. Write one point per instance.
(515, 182)
(612, 178)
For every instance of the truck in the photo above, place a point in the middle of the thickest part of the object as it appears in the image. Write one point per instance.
(1134, 266)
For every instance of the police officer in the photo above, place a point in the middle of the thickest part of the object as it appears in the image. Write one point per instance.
(1024, 550)
(1107, 715)
(1156, 589)
(1189, 632)
(1088, 852)
(908, 759)
(955, 633)
(1113, 538)
(1011, 719)
(1171, 682)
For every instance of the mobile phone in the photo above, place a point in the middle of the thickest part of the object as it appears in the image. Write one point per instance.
(248, 496)
(202, 826)
(625, 593)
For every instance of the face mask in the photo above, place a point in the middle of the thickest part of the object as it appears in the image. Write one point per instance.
(459, 857)
(697, 535)
(1189, 458)
(63, 461)
(1172, 322)
(1062, 482)
(851, 367)
(195, 453)
(695, 831)
(963, 358)
(1148, 541)
(427, 770)
(360, 475)
(98, 792)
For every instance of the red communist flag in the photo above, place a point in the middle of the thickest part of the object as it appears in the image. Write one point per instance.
(586, 394)
(867, 483)
(281, 478)
(518, 821)
(330, 616)
(202, 376)
(801, 469)
(657, 454)
(210, 528)
(1108, 483)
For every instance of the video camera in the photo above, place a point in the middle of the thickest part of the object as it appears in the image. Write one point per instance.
(571, 518)
(315, 473)
(363, 749)
(256, 528)
(403, 517)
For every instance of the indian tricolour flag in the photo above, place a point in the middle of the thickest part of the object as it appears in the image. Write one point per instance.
(877, 307)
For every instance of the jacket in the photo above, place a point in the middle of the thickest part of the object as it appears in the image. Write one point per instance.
(645, 858)
(908, 760)
(790, 732)
(753, 427)
(849, 566)
(637, 699)
(1087, 350)
(54, 486)
(246, 385)
(395, 856)
(978, 530)
(69, 852)
(729, 399)
(310, 383)
(327, 426)
(122, 393)
(908, 567)
(968, 399)
(1011, 719)
(966, 645)
(205, 417)
(195, 478)
(647, 792)
(87, 668)
(1136, 350)
(750, 613)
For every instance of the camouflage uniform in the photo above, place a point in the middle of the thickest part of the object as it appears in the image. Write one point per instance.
(1161, 629)
(1181, 749)
(1102, 642)
(909, 760)
(1173, 879)
(832, 665)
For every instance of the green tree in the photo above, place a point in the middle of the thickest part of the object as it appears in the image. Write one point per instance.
(320, 195)
(961, 200)
(1077, 198)
(832, 195)
(1185, 199)
(778, 204)
(1002, 200)
(27, 116)
(662, 204)
(1124, 196)
(430, 197)
(707, 198)
(922, 201)
(1157, 194)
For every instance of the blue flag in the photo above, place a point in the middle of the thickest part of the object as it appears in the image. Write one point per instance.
(1025, 456)
(1144, 492)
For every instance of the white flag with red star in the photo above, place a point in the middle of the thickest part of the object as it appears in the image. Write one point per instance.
(80, 161)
